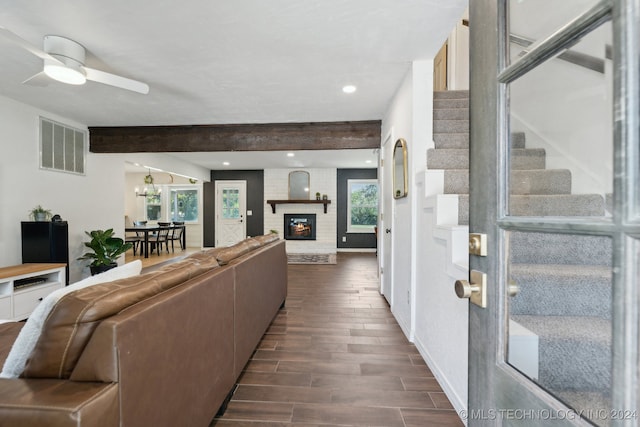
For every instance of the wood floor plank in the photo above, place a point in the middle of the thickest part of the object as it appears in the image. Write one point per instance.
(358, 382)
(348, 415)
(258, 411)
(335, 356)
(285, 394)
(431, 418)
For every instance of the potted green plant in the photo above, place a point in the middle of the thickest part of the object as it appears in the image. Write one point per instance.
(40, 214)
(105, 250)
(317, 196)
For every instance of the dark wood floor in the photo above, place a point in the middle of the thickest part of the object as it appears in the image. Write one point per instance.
(335, 356)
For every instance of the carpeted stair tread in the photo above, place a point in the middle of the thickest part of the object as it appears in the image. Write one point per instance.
(518, 139)
(451, 126)
(561, 290)
(458, 158)
(574, 351)
(451, 114)
(546, 248)
(557, 205)
(456, 181)
(536, 181)
(541, 181)
(461, 140)
(451, 140)
(451, 103)
(451, 94)
(463, 209)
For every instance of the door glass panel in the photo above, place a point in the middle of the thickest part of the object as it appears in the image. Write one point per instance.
(230, 203)
(534, 20)
(561, 155)
(560, 329)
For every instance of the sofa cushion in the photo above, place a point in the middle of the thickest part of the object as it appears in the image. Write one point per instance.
(266, 238)
(28, 336)
(76, 315)
(224, 255)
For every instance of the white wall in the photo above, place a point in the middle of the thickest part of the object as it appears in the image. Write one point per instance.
(322, 180)
(458, 56)
(432, 317)
(87, 202)
(399, 118)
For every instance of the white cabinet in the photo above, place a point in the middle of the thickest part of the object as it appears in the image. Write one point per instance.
(23, 286)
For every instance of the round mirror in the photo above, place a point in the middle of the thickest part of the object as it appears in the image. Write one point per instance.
(400, 177)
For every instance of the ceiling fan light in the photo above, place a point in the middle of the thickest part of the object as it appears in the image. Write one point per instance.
(65, 74)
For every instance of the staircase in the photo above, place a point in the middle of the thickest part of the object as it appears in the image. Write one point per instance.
(564, 280)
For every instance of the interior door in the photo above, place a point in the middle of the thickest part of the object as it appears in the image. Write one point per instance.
(231, 201)
(440, 69)
(384, 233)
(553, 192)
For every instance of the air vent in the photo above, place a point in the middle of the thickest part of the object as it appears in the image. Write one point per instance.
(62, 147)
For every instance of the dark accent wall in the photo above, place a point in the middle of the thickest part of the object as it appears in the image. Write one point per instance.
(354, 240)
(255, 202)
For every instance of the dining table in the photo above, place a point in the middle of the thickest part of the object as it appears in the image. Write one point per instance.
(146, 230)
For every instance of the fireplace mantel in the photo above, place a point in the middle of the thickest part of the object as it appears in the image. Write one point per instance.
(273, 203)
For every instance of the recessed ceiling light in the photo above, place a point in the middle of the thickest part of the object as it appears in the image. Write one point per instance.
(349, 89)
(290, 154)
(368, 161)
(226, 163)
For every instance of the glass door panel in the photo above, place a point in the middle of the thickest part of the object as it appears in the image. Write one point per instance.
(561, 149)
(559, 332)
(534, 20)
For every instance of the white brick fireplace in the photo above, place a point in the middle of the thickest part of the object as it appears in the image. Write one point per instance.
(323, 181)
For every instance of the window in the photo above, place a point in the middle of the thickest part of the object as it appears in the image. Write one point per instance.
(183, 204)
(230, 203)
(62, 147)
(172, 203)
(153, 205)
(362, 205)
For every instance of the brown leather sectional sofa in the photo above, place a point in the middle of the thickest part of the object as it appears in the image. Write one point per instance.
(160, 349)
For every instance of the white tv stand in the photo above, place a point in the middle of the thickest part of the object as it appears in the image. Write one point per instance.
(23, 286)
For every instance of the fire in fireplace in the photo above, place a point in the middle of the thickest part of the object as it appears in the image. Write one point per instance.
(300, 227)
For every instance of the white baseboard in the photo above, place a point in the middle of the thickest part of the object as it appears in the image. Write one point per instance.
(453, 397)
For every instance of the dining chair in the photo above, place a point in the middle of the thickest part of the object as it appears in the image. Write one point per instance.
(160, 238)
(176, 234)
(134, 238)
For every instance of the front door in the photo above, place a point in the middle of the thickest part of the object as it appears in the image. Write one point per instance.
(231, 200)
(554, 166)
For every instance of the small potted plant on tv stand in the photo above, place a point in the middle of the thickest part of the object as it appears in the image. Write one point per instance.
(105, 250)
(39, 214)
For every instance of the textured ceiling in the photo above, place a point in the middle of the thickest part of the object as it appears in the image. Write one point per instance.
(226, 61)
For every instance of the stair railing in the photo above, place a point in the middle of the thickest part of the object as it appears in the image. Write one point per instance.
(578, 58)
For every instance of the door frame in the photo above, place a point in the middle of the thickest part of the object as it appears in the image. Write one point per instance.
(221, 183)
(387, 214)
(491, 379)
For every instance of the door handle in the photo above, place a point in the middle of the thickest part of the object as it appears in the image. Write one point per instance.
(388, 230)
(512, 288)
(475, 289)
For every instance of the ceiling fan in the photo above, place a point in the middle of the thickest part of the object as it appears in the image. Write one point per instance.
(64, 62)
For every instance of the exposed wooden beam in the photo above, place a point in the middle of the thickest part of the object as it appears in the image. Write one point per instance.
(238, 137)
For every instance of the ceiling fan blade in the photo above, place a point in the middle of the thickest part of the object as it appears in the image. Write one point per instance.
(40, 79)
(25, 44)
(114, 80)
